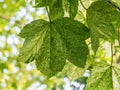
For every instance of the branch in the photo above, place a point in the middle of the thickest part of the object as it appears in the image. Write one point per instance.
(8, 19)
(3, 17)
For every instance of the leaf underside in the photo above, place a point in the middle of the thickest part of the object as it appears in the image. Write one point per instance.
(104, 77)
(101, 17)
(50, 44)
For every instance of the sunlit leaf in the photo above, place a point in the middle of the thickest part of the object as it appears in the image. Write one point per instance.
(104, 77)
(101, 16)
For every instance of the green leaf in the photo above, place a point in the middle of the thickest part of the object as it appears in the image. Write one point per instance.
(72, 72)
(50, 44)
(116, 2)
(73, 8)
(42, 3)
(34, 34)
(82, 80)
(73, 34)
(44, 45)
(76, 73)
(101, 16)
(104, 77)
(56, 10)
(51, 57)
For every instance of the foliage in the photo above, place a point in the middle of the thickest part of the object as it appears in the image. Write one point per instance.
(14, 14)
(63, 38)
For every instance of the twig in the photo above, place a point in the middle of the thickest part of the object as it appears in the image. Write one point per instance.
(5, 18)
(8, 19)
(111, 54)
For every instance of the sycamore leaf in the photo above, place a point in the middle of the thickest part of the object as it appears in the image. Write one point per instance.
(101, 16)
(56, 10)
(43, 44)
(116, 2)
(51, 57)
(50, 44)
(73, 7)
(73, 34)
(34, 34)
(104, 77)
(73, 72)
(42, 3)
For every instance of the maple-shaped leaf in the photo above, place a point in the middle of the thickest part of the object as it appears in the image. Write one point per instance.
(104, 77)
(50, 44)
(101, 18)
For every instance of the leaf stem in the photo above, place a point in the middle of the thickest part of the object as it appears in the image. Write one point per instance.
(111, 54)
(83, 5)
(47, 10)
(119, 36)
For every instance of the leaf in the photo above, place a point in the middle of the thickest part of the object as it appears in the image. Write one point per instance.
(82, 80)
(117, 2)
(50, 44)
(73, 72)
(34, 34)
(56, 10)
(104, 77)
(101, 16)
(74, 34)
(76, 73)
(42, 3)
(51, 57)
(73, 8)
(44, 45)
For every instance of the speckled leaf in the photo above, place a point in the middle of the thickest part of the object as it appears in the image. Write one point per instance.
(73, 7)
(42, 3)
(34, 34)
(43, 44)
(73, 34)
(73, 72)
(51, 57)
(116, 2)
(101, 17)
(104, 77)
(56, 10)
(50, 44)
